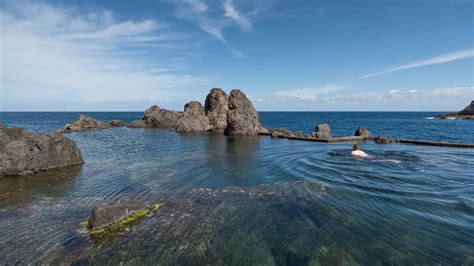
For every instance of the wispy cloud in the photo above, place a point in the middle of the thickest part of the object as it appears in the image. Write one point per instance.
(444, 58)
(215, 17)
(241, 20)
(53, 54)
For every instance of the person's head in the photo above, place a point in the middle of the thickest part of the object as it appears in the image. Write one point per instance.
(356, 147)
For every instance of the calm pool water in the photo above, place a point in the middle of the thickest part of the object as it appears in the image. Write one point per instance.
(253, 200)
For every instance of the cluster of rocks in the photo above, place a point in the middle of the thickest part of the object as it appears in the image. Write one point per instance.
(321, 131)
(87, 123)
(231, 114)
(385, 140)
(466, 113)
(23, 152)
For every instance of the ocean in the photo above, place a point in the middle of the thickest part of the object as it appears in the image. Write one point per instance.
(250, 200)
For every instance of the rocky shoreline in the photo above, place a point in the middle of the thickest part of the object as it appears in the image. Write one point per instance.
(467, 113)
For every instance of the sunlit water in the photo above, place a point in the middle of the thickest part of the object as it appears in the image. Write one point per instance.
(253, 200)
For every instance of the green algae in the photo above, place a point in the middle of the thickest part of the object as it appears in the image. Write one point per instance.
(122, 224)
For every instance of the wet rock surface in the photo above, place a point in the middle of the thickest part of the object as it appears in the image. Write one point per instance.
(242, 118)
(193, 119)
(161, 118)
(106, 215)
(362, 132)
(322, 131)
(23, 152)
(216, 107)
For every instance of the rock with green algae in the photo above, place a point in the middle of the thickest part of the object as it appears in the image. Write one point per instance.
(105, 216)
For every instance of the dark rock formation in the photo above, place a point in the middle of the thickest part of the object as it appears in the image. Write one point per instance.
(362, 132)
(193, 119)
(469, 110)
(161, 118)
(466, 113)
(384, 140)
(137, 124)
(106, 215)
(242, 118)
(23, 152)
(322, 131)
(216, 107)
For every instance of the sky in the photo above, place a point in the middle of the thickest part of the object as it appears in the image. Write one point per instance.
(293, 55)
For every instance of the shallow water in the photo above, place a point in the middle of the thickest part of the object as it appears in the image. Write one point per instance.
(252, 200)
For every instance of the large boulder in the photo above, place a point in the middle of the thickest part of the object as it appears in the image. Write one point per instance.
(161, 118)
(193, 119)
(23, 152)
(242, 118)
(322, 131)
(106, 215)
(216, 107)
(469, 110)
(362, 132)
(84, 123)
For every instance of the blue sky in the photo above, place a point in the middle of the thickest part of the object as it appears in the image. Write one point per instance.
(285, 55)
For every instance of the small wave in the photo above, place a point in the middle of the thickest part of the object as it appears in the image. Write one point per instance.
(430, 117)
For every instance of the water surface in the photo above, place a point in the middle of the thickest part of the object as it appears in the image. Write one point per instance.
(252, 200)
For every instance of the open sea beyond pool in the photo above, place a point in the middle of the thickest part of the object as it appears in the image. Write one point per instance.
(249, 200)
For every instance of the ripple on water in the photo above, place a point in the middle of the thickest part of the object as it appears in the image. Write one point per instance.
(326, 206)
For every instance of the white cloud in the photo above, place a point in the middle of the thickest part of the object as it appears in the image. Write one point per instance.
(444, 58)
(241, 20)
(215, 17)
(53, 54)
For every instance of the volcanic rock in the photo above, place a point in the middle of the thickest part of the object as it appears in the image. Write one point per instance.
(84, 123)
(276, 134)
(242, 118)
(362, 132)
(161, 118)
(216, 107)
(193, 119)
(299, 134)
(469, 110)
(322, 131)
(284, 131)
(137, 124)
(23, 152)
(384, 140)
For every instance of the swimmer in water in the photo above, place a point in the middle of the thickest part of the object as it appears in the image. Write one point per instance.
(357, 152)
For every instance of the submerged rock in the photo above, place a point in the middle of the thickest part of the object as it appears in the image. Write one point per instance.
(161, 118)
(384, 140)
(106, 215)
(362, 132)
(322, 131)
(193, 119)
(216, 107)
(23, 152)
(242, 118)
